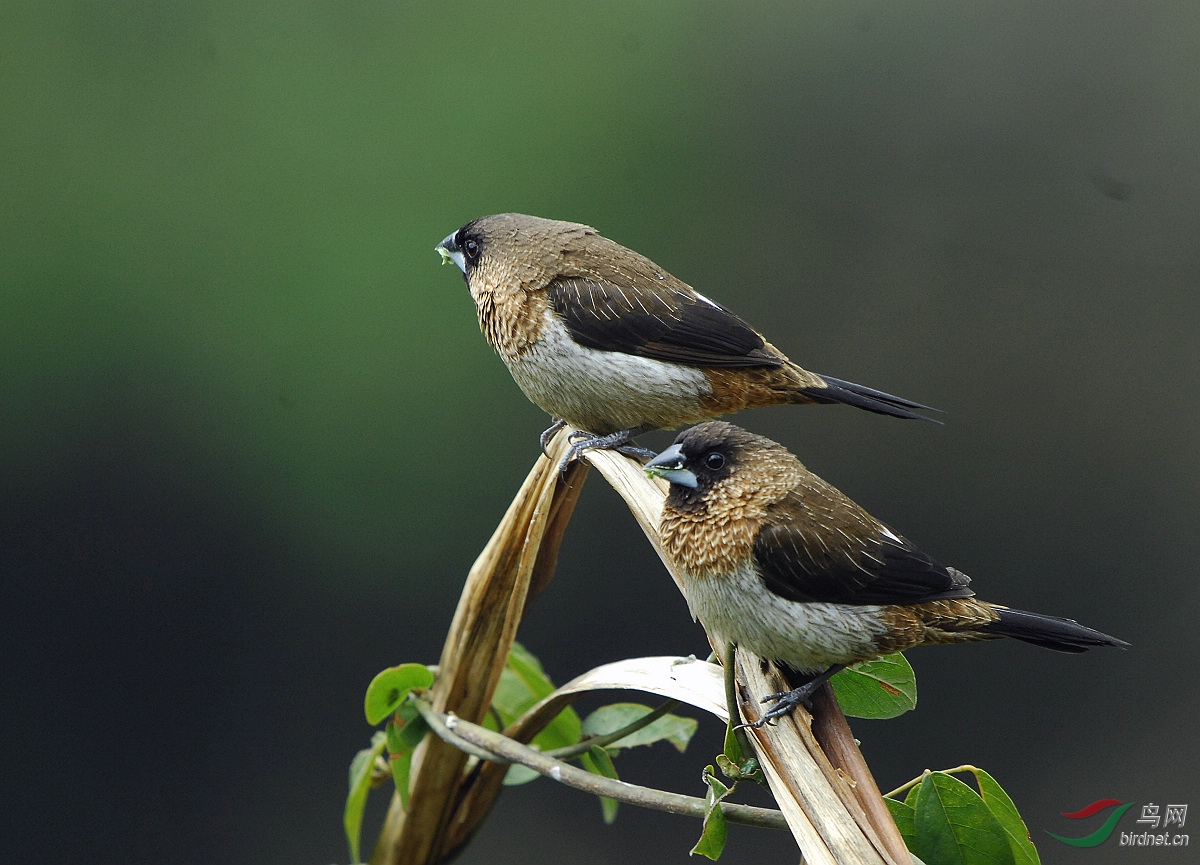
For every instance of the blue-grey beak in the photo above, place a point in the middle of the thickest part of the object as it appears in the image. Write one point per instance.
(449, 251)
(669, 465)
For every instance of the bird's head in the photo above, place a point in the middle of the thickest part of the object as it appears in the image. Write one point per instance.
(513, 247)
(718, 460)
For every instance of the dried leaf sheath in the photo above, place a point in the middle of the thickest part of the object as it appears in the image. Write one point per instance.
(480, 636)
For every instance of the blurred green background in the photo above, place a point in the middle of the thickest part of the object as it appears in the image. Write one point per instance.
(251, 437)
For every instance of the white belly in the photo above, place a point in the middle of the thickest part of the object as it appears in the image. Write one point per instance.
(807, 637)
(606, 391)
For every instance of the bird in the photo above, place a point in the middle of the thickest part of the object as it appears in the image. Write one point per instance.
(778, 561)
(602, 338)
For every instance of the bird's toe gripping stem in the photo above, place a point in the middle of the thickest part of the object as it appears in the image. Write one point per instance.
(544, 438)
(787, 701)
(620, 441)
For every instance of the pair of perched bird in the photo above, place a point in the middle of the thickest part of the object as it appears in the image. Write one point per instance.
(772, 557)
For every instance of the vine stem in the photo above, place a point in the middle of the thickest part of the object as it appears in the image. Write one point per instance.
(585, 745)
(966, 767)
(490, 745)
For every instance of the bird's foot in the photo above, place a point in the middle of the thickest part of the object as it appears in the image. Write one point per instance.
(619, 441)
(544, 438)
(638, 453)
(787, 701)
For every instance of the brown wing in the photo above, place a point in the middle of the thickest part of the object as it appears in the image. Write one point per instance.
(820, 546)
(666, 322)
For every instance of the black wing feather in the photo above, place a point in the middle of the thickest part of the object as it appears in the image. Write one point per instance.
(662, 323)
(805, 561)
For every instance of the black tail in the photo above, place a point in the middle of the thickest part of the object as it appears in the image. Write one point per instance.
(849, 393)
(1049, 632)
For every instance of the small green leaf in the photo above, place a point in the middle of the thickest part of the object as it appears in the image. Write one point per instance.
(883, 688)
(599, 762)
(403, 733)
(608, 719)
(360, 783)
(905, 818)
(512, 697)
(715, 833)
(911, 799)
(401, 768)
(518, 775)
(389, 688)
(563, 731)
(410, 728)
(1002, 808)
(529, 670)
(953, 826)
(522, 684)
(732, 748)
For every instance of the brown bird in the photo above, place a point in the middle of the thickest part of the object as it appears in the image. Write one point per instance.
(778, 561)
(604, 339)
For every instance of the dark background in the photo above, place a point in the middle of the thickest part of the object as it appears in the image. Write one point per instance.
(251, 439)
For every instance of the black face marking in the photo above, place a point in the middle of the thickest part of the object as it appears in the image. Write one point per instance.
(711, 460)
(470, 242)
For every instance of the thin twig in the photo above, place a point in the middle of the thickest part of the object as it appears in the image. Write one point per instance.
(456, 731)
(966, 767)
(445, 726)
(585, 745)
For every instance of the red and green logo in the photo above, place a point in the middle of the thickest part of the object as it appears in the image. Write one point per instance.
(1101, 834)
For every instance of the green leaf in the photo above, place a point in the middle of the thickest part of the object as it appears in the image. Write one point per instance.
(953, 826)
(512, 698)
(715, 833)
(401, 768)
(608, 719)
(883, 688)
(563, 731)
(732, 748)
(518, 775)
(599, 762)
(389, 688)
(911, 799)
(522, 684)
(1006, 814)
(905, 817)
(410, 729)
(402, 734)
(360, 784)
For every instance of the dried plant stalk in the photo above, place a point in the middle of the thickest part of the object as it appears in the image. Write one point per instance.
(477, 645)
(801, 775)
(837, 742)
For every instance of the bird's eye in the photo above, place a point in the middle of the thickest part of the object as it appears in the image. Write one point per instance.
(714, 460)
(471, 248)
